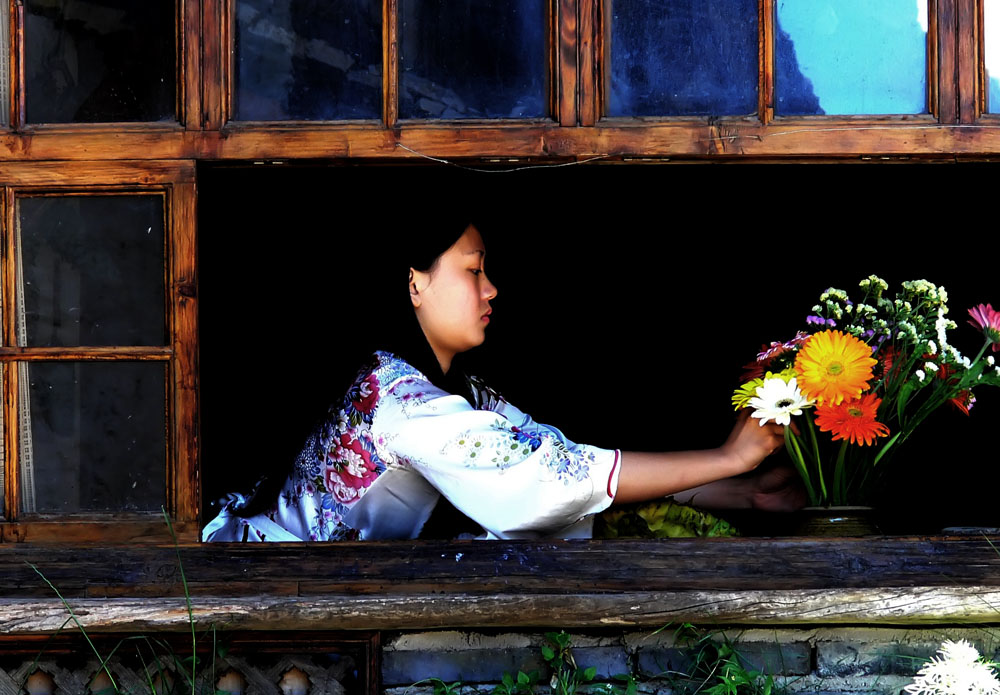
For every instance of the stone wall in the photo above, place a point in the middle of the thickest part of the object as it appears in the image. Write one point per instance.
(827, 661)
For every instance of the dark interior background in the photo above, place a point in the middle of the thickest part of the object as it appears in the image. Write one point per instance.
(629, 297)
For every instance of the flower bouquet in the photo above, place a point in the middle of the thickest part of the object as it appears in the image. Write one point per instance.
(863, 379)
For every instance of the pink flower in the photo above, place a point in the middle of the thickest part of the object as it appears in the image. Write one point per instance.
(351, 463)
(986, 319)
(344, 493)
(367, 395)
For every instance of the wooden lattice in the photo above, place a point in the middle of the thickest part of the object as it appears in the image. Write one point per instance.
(135, 669)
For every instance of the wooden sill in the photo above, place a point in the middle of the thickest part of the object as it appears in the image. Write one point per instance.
(431, 584)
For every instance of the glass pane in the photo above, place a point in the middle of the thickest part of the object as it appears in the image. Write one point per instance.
(849, 57)
(99, 60)
(991, 41)
(308, 60)
(96, 437)
(92, 271)
(683, 58)
(472, 59)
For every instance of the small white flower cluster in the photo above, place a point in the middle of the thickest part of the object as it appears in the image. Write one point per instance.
(868, 309)
(931, 347)
(906, 329)
(935, 294)
(920, 375)
(941, 326)
(833, 293)
(880, 284)
(958, 671)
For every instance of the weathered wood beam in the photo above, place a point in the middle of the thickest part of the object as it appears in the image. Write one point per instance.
(901, 606)
(501, 567)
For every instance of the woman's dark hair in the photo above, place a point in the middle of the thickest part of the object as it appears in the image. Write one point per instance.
(385, 320)
(397, 329)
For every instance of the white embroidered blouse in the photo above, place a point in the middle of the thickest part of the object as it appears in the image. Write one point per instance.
(377, 466)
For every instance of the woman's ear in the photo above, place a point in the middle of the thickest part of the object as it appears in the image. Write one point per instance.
(416, 284)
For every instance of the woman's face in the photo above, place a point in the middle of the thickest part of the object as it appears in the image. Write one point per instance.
(452, 300)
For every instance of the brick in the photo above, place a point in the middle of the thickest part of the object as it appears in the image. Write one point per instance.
(469, 665)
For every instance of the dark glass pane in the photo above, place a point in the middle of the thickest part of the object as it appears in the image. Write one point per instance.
(99, 60)
(683, 58)
(991, 41)
(472, 58)
(308, 60)
(850, 57)
(97, 433)
(93, 270)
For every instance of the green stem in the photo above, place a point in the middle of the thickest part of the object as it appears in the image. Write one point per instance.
(78, 624)
(839, 490)
(187, 600)
(795, 453)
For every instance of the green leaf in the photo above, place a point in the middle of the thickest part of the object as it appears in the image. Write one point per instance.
(508, 680)
(522, 678)
(547, 653)
(589, 674)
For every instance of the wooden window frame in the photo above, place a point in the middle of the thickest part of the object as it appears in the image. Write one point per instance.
(187, 100)
(560, 77)
(119, 155)
(175, 182)
(576, 131)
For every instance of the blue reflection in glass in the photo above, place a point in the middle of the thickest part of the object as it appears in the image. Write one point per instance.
(683, 58)
(472, 59)
(858, 56)
(308, 60)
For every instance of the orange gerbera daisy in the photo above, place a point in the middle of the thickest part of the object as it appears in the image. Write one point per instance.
(852, 420)
(833, 366)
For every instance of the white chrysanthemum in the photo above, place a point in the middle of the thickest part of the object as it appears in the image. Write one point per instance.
(958, 671)
(777, 400)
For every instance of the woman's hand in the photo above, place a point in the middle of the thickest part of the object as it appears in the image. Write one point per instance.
(750, 443)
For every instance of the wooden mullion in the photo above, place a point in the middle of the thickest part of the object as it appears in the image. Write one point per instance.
(8, 297)
(589, 47)
(17, 112)
(215, 67)
(189, 40)
(765, 69)
(217, 60)
(184, 440)
(945, 26)
(390, 63)
(982, 86)
(969, 59)
(567, 62)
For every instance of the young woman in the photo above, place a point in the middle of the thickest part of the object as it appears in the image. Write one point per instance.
(413, 428)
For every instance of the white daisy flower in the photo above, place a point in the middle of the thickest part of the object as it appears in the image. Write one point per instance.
(777, 400)
(958, 671)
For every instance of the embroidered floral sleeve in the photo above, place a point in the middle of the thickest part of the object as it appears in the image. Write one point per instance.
(515, 477)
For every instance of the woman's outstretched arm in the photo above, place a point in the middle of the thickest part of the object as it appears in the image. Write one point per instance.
(646, 476)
